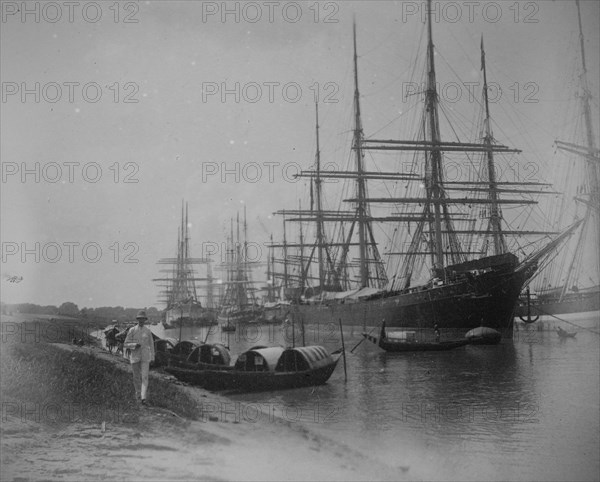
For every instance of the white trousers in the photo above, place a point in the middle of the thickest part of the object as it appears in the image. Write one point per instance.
(140, 378)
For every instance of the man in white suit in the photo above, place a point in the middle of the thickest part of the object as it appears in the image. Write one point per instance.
(139, 340)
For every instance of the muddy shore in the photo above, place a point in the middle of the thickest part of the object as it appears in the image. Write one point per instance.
(68, 414)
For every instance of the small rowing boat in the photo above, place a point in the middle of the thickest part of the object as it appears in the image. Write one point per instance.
(403, 341)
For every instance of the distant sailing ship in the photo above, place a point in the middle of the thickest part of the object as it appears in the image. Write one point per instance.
(181, 294)
(571, 284)
(467, 286)
(239, 304)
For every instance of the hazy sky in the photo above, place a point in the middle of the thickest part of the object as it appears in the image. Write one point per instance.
(139, 93)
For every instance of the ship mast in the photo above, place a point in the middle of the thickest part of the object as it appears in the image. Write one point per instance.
(285, 258)
(585, 98)
(301, 261)
(589, 186)
(495, 224)
(319, 214)
(361, 206)
(434, 173)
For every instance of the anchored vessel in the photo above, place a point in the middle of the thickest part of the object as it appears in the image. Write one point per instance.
(570, 284)
(406, 341)
(459, 268)
(180, 286)
(239, 304)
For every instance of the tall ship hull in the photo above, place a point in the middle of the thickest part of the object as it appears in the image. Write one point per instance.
(486, 299)
(576, 274)
(191, 315)
(584, 302)
(239, 317)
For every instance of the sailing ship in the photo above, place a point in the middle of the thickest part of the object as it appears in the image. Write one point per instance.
(274, 299)
(184, 306)
(473, 277)
(571, 284)
(239, 304)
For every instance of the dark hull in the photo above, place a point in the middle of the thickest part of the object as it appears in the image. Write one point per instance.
(488, 299)
(253, 381)
(177, 362)
(406, 346)
(574, 303)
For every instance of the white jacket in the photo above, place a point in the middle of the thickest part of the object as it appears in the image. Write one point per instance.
(143, 336)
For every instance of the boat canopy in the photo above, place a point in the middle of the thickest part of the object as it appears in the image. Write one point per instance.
(165, 344)
(303, 358)
(215, 354)
(185, 347)
(259, 360)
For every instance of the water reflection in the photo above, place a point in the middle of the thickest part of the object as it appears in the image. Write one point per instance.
(525, 410)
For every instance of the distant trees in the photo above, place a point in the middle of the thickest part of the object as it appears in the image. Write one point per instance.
(29, 308)
(109, 313)
(68, 309)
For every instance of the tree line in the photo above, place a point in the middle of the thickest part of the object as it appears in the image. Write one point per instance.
(68, 308)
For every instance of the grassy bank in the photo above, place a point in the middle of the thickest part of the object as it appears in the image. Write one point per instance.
(39, 370)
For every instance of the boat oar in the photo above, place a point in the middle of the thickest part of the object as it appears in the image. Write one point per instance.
(343, 350)
(363, 339)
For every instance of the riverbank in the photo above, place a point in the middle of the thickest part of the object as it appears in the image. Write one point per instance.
(68, 414)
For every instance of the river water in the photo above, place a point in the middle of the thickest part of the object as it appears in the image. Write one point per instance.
(522, 410)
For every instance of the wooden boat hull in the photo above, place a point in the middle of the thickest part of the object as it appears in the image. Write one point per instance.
(406, 346)
(253, 381)
(177, 363)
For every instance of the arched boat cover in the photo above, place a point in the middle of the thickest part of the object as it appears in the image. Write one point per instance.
(215, 354)
(165, 344)
(303, 358)
(185, 347)
(263, 359)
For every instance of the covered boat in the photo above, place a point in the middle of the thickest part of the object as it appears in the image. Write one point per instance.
(182, 350)
(198, 356)
(205, 356)
(210, 355)
(162, 351)
(272, 368)
(406, 341)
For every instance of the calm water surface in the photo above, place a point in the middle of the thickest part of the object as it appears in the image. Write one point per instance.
(526, 410)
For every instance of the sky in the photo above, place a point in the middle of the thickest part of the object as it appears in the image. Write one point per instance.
(115, 113)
